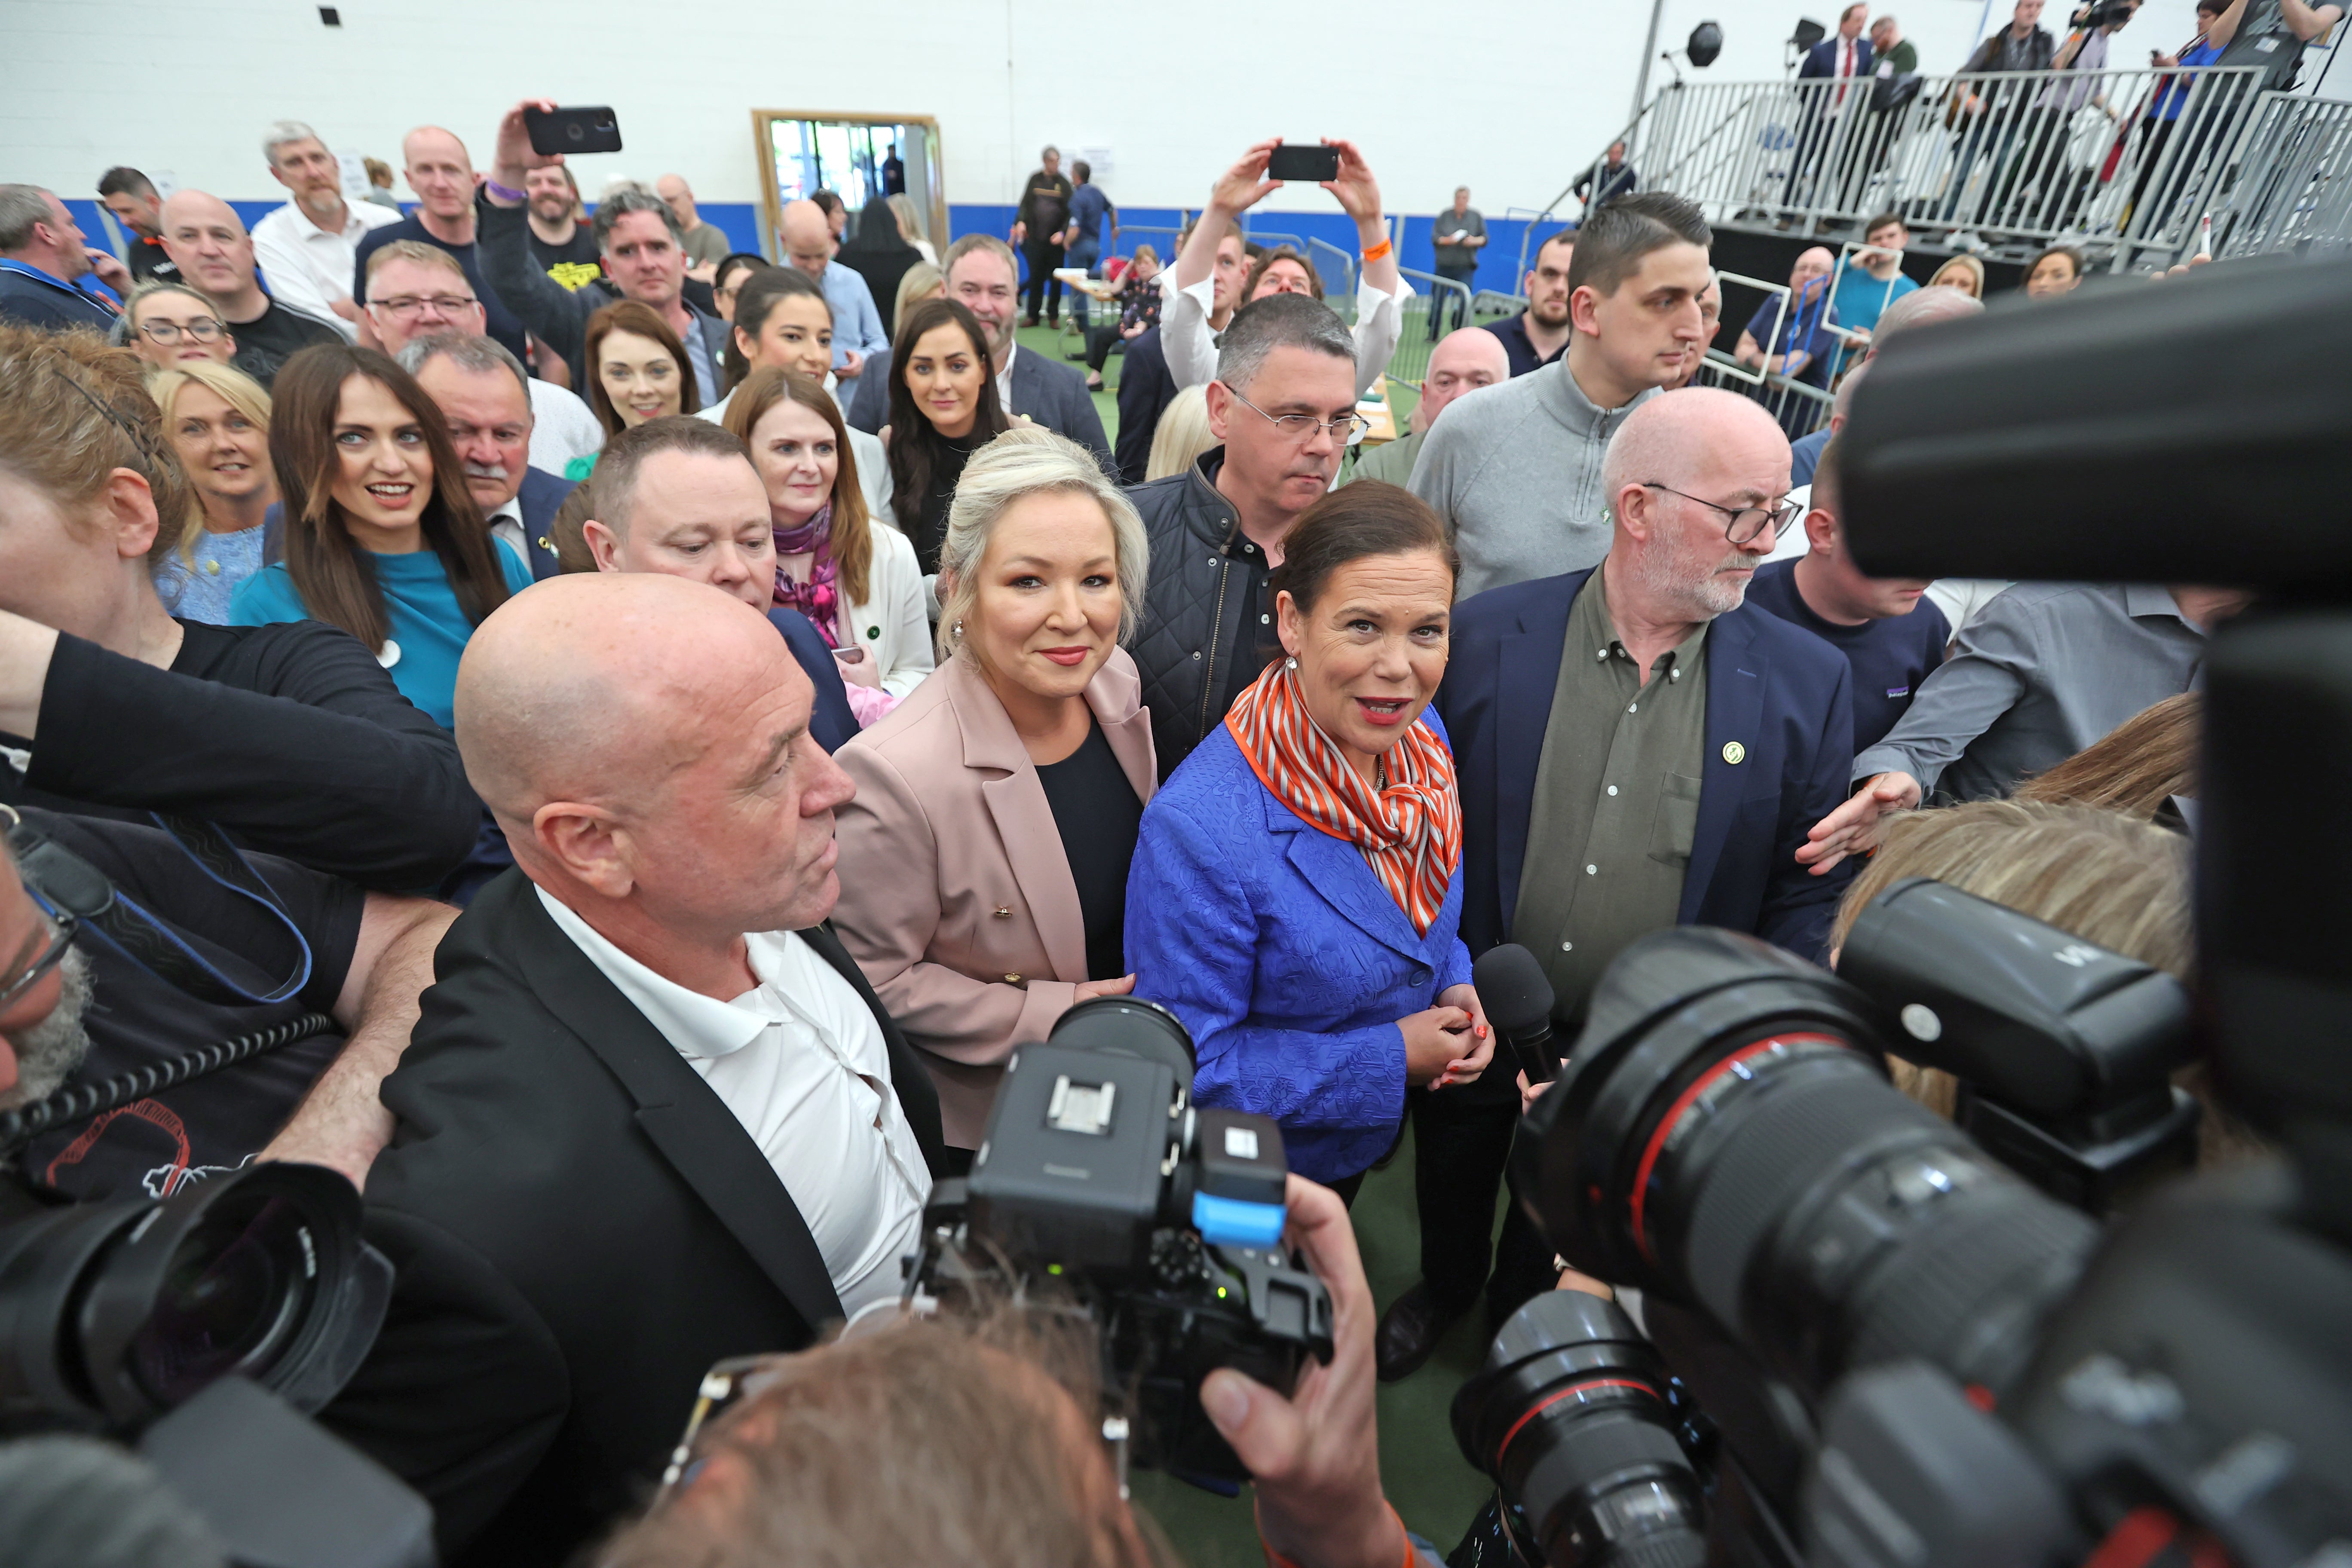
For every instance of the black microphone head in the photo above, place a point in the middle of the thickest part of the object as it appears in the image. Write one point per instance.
(1512, 987)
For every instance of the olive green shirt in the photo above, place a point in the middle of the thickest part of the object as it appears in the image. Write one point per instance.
(1616, 802)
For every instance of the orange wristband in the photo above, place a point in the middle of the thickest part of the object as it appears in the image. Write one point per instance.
(1383, 249)
(1277, 1560)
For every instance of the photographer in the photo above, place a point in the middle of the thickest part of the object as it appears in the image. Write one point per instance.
(2048, 126)
(974, 1442)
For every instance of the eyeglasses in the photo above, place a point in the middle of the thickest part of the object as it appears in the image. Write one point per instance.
(163, 334)
(403, 306)
(1745, 522)
(1301, 428)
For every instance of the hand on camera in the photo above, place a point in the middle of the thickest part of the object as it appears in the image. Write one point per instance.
(1244, 184)
(1852, 828)
(1316, 1456)
(1087, 990)
(514, 155)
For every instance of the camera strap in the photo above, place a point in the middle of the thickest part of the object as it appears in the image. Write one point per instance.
(67, 887)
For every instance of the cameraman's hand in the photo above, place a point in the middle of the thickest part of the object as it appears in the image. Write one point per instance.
(1087, 990)
(1316, 1455)
(1466, 1066)
(512, 155)
(1852, 828)
(1433, 1042)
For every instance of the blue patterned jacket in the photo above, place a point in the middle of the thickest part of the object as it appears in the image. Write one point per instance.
(1286, 958)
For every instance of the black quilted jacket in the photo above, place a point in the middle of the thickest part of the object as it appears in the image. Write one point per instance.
(1192, 604)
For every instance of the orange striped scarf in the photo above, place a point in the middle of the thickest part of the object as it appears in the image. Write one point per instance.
(1411, 831)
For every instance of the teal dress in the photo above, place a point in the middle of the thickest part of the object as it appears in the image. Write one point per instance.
(429, 629)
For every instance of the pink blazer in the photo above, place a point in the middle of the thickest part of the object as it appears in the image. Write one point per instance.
(956, 898)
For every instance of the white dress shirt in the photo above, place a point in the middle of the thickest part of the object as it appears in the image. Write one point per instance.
(799, 1060)
(561, 427)
(1191, 346)
(308, 268)
(1004, 380)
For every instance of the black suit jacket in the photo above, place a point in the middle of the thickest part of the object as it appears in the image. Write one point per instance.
(1145, 391)
(583, 1229)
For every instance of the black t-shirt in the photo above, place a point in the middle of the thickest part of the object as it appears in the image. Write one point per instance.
(215, 1122)
(274, 336)
(148, 258)
(574, 262)
(1098, 814)
(499, 321)
(1889, 658)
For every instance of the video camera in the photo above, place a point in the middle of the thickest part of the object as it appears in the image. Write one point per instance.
(1876, 1337)
(1164, 1219)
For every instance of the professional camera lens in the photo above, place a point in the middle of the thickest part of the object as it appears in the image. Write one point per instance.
(1570, 1418)
(233, 1296)
(118, 1311)
(1725, 1135)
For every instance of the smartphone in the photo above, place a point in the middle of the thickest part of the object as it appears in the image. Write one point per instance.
(1307, 164)
(570, 131)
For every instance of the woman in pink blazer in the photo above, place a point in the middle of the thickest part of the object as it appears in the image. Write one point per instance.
(983, 862)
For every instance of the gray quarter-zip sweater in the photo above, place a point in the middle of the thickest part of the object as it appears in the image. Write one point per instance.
(1516, 469)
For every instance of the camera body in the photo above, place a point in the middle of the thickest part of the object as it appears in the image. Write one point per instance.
(1097, 1173)
(2105, 13)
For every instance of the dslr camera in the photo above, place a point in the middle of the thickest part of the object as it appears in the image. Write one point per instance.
(1098, 1175)
(1870, 1336)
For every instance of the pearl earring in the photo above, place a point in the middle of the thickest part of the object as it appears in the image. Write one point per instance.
(1290, 664)
(959, 629)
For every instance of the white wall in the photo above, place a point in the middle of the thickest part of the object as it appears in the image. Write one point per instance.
(1509, 95)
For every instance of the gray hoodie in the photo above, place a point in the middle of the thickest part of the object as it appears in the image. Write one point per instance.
(1515, 469)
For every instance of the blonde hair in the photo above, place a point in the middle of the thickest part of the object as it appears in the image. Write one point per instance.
(1027, 460)
(1182, 436)
(2144, 761)
(231, 386)
(2100, 875)
(1969, 267)
(72, 410)
(910, 221)
(915, 285)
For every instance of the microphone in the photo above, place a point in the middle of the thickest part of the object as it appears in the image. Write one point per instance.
(1518, 999)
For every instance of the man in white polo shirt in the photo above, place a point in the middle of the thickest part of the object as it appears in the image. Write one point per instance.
(308, 247)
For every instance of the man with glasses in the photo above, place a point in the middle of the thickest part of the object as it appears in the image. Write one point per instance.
(418, 291)
(441, 173)
(1637, 749)
(210, 246)
(75, 1010)
(1284, 407)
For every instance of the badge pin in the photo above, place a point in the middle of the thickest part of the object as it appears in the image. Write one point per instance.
(1734, 752)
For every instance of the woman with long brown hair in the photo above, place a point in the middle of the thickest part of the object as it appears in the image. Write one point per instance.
(383, 538)
(854, 578)
(637, 370)
(943, 409)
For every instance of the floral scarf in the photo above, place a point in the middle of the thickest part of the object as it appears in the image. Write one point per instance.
(1409, 830)
(817, 598)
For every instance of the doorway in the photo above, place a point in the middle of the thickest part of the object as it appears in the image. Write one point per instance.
(801, 151)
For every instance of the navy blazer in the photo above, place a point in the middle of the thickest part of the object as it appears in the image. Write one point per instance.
(1286, 958)
(1821, 60)
(1782, 694)
(831, 721)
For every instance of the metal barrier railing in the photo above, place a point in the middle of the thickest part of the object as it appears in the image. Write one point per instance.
(2293, 189)
(1801, 409)
(1337, 269)
(1437, 304)
(2127, 161)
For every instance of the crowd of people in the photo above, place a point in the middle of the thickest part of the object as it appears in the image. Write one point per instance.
(755, 712)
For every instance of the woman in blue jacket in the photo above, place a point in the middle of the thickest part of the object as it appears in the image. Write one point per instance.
(1297, 883)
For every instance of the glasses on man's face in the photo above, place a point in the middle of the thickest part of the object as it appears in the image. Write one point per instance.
(1301, 428)
(57, 936)
(1741, 523)
(163, 334)
(406, 307)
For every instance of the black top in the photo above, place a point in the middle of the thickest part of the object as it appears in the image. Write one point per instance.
(148, 258)
(951, 453)
(215, 1122)
(292, 738)
(1889, 658)
(1098, 814)
(574, 262)
(274, 336)
(1519, 347)
(499, 321)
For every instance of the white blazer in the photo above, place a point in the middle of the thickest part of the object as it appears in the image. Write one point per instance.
(890, 624)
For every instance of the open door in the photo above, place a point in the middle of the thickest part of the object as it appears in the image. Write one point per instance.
(801, 151)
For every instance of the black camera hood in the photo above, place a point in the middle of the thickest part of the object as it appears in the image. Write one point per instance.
(2188, 431)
